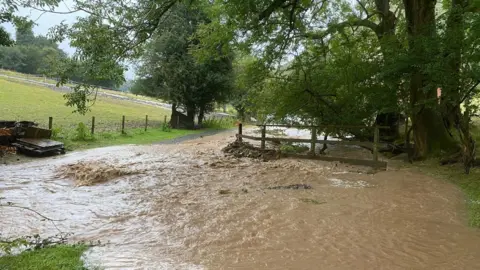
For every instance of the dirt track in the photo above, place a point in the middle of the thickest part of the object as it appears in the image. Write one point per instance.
(192, 208)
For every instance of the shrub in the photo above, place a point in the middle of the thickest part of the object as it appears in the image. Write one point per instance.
(82, 133)
(220, 123)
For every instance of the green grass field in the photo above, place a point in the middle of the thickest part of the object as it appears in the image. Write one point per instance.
(53, 81)
(34, 103)
(53, 258)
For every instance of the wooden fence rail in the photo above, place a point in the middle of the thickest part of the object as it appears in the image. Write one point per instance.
(313, 141)
(123, 125)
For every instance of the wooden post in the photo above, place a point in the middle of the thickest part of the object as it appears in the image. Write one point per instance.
(239, 138)
(263, 137)
(123, 124)
(146, 122)
(314, 139)
(178, 121)
(93, 125)
(376, 136)
(407, 140)
(165, 120)
(50, 123)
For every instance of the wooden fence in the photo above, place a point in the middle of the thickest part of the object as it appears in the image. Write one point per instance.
(313, 141)
(122, 124)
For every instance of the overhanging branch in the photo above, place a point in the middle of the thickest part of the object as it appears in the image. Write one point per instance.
(339, 26)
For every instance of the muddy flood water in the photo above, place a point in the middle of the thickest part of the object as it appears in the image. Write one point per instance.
(187, 206)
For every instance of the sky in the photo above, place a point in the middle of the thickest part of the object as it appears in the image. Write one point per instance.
(47, 20)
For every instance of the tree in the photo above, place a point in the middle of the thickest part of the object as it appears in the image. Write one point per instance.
(412, 44)
(169, 71)
(250, 77)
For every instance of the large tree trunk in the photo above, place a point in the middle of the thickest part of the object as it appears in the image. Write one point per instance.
(190, 120)
(430, 135)
(455, 35)
(201, 115)
(390, 46)
(173, 116)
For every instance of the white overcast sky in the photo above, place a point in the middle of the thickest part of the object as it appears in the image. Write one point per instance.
(47, 20)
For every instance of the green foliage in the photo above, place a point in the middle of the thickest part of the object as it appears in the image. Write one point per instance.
(82, 133)
(291, 148)
(32, 54)
(219, 123)
(166, 127)
(169, 71)
(133, 136)
(250, 74)
(57, 132)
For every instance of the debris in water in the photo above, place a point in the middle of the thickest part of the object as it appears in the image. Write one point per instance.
(224, 191)
(306, 200)
(244, 149)
(295, 186)
(348, 183)
(91, 173)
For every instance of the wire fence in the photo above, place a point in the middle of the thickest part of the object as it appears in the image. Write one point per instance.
(98, 127)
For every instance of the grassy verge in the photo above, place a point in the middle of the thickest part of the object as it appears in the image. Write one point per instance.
(62, 257)
(133, 136)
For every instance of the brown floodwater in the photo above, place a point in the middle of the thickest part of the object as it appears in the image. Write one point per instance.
(172, 215)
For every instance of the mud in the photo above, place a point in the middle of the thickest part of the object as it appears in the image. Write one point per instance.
(173, 215)
(91, 173)
(244, 149)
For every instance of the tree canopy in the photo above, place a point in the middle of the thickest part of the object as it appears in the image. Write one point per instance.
(169, 71)
(353, 58)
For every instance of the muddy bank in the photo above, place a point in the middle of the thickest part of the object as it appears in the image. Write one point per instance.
(173, 215)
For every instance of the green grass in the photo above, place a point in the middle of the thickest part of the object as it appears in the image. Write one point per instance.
(221, 123)
(53, 81)
(133, 136)
(27, 102)
(60, 257)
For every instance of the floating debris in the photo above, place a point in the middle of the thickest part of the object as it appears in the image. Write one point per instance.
(335, 182)
(90, 173)
(294, 186)
(244, 149)
(306, 200)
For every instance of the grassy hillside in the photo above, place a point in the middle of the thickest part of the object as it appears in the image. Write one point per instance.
(34, 103)
(52, 81)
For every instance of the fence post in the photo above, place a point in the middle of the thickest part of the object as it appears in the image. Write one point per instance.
(50, 123)
(123, 124)
(178, 121)
(314, 140)
(165, 120)
(93, 125)
(239, 137)
(146, 122)
(263, 137)
(376, 136)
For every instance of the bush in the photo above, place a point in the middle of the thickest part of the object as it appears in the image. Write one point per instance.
(82, 133)
(293, 148)
(166, 127)
(57, 133)
(220, 123)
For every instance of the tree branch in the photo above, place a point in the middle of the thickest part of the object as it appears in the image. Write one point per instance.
(264, 15)
(363, 7)
(339, 26)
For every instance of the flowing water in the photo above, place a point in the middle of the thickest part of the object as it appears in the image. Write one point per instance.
(189, 207)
